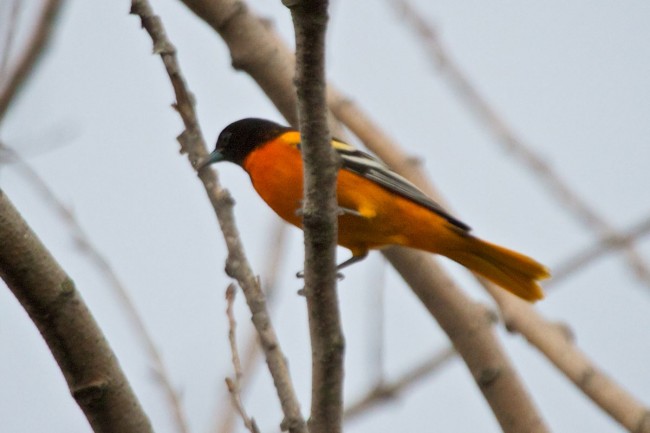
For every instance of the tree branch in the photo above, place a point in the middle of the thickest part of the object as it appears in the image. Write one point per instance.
(387, 391)
(234, 385)
(224, 416)
(469, 326)
(50, 298)
(614, 242)
(90, 251)
(319, 216)
(32, 53)
(556, 344)
(237, 266)
(523, 152)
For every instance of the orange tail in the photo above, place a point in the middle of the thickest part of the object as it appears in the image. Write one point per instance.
(511, 270)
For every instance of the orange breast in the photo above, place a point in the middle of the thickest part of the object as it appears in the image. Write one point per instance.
(276, 172)
(387, 219)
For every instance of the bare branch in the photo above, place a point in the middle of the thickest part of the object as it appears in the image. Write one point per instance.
(319, 216)
(612, 242)
(555, 342)
(237, 265)
(9, 37)
(534, 162)
(384, 392)
(234, 384)
(33, 51)
(55, 306)
(225, 417)
(90, 251)
(469, 326)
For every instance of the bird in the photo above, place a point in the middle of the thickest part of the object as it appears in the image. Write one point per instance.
(379, 208)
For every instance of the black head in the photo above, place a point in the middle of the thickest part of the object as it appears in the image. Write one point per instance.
(239, 138)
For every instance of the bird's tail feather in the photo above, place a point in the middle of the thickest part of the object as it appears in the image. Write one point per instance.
(515, 272)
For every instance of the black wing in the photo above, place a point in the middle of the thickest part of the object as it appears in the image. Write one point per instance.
(374, 169)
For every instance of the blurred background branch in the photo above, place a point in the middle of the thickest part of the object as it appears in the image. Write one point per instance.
(13, 77)
(52, 301)
(92, 253)
(566, 197)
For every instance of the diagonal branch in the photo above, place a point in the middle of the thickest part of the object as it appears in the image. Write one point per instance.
(49, 296)
(319, 216)
(615, 241)
(7, 39)
(237, 265)
(32, 53)
(234, 384)
(84, 243)
(469, 326)
(525, 154)
(224, 416)
(387, 391)
(556, 344)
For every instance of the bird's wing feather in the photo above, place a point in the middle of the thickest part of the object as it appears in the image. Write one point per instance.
(377, 171)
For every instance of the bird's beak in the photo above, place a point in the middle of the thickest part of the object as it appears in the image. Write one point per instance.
(215, 156)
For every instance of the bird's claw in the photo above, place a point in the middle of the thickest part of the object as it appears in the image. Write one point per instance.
(347, 211)
(301, 275)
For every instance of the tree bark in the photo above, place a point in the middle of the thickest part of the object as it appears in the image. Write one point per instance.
(49, 296)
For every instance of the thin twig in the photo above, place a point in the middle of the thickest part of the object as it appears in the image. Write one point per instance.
(237, 265)
(568, 198)
(234, 383)
(319, 216)
(384, 392)
(33, 51)
(225, 417)
(91, 252)
(9, 37)
(603, 246)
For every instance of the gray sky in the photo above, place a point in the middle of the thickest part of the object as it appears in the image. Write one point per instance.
(96, 123)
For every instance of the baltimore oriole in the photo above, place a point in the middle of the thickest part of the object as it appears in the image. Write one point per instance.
(378, 206)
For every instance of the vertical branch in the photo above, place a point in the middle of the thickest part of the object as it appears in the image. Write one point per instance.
(237, 265)
(224, 415)
(319, 216)
(234, 384)
(50, 298)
